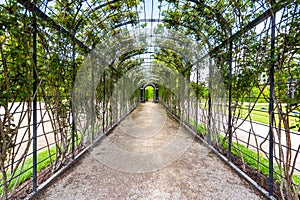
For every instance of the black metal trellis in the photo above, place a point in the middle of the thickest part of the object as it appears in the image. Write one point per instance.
(209, 103)
(269, 13)
(35, 82)
(31, 7)
(230, 102)
(73, 91)
(271, 104)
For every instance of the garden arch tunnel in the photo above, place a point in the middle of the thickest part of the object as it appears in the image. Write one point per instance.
(118, 46)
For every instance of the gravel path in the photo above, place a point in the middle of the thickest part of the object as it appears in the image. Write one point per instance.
(149, 156)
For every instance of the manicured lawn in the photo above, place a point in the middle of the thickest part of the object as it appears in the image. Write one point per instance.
(260, 114)
(44, 159)
(256, 161)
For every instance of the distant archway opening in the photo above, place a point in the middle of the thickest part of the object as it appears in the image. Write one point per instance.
(149, 93)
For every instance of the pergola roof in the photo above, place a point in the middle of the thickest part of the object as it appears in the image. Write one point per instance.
(215, 19)
(211, 24)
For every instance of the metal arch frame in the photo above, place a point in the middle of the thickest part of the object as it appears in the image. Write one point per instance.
(130, 56)
(144, 52)
(142, 92)
(133, 65)
(97, 8)
(142, 88)
(31, 7)
(156, 20)
(224, 24)
(265, 15)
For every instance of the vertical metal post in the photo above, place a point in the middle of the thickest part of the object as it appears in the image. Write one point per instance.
(142, 92)
(229, 101)
(116, 89)
(271, 104)
(103, 103)
(34, 113)
(145, 97)
(126, 95)
(209, 102)
(189, 99)
(121, 98)
(179, 113)
(156, 94)
(182, 98)
(197, 98)
(73, 99)
(111, 101)
(92, 98)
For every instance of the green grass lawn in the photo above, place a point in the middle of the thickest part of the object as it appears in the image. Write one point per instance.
(260, 114)
(251, 158)
(44, 159)
(257, 162)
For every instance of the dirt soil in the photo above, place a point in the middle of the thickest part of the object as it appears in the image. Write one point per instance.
(149, 156)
